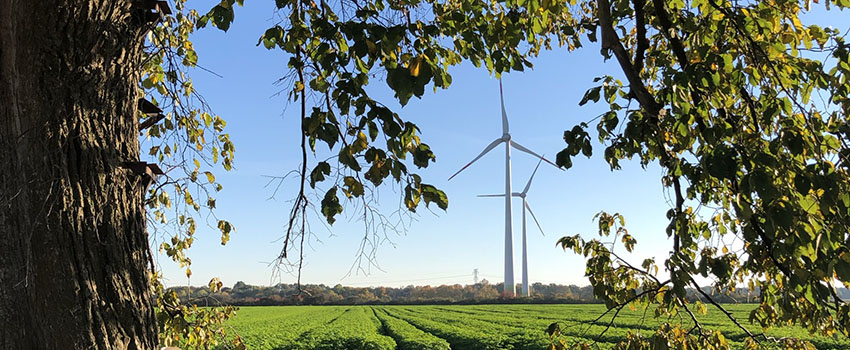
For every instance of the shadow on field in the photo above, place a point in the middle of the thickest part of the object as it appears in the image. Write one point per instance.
(337, 344)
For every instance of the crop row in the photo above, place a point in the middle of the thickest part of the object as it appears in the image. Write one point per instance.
(577, 321)
(477, 333)
(487, 327)
(356, 328)
(409, 337)
(264, 328)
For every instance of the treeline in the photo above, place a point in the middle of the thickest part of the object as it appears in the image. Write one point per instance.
(480, 293)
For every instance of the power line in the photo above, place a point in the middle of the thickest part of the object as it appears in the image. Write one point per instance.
(410, 280)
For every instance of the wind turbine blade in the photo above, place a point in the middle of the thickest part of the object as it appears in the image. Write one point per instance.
(526, 150)
(534, 217)
(515, 194)
(525, 190)
(486, 149)
(505, 127)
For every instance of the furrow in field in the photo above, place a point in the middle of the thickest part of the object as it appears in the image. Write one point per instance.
(579, 313)
(264, 328)
(532, 327)
(476, 312)
(518, 336)
(460, 338)
(576, 320)
(407, 336)
(646, 323)
(356, 328)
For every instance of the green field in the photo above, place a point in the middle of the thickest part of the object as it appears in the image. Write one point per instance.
(467, 327)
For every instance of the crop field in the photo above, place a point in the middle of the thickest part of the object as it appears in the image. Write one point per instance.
(467, 327)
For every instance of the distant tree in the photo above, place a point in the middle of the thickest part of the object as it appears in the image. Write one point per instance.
(365, 296)
(486, 292)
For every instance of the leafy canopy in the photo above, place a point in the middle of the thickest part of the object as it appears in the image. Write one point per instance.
(745, 108)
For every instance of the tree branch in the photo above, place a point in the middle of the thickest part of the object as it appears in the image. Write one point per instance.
(768, 245)
(667, 26)
(642, 42)
(725, 312)
(611, 41)
(619, 307)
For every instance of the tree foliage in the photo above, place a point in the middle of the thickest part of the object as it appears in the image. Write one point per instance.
(742, 104)
(187, 144)
(480, 293)
(745, 109)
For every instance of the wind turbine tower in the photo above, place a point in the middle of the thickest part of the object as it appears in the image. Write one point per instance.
(510, 286)
(526, 288)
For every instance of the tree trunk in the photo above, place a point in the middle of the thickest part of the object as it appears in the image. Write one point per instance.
(73, 246)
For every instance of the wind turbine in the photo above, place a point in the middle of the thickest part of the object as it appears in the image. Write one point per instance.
(510, 287)
(526, 290)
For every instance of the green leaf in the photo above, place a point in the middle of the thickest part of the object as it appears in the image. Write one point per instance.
(723, 163)
(360, 143)
(353, 188)
(330, 205)
(422, 154)
(411, 197)
(319, 172)
(348, 159)
(563, 159)
(592, 94)
(225, 228)
(433, 195)
(221, 17)
(271, 37)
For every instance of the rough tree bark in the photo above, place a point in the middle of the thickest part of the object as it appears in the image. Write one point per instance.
(73, 246)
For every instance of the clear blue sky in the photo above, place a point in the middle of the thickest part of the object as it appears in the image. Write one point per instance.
(457, 123)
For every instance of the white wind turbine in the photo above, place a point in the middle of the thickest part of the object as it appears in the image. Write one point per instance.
(526, 290)
(510, 287)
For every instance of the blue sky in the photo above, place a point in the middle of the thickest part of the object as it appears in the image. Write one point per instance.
(440, 248)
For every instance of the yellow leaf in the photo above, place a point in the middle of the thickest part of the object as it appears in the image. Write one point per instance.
(797, 24)
(414, 66)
